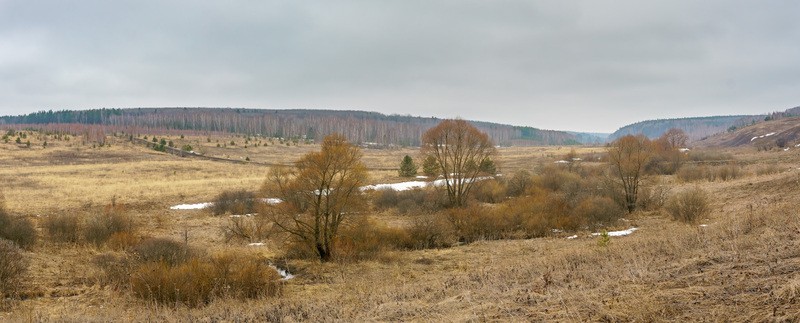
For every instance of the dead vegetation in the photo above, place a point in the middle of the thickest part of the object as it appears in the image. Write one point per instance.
(405, 261)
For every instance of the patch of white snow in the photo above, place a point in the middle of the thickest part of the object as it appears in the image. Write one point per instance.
(617, 233)
(572, 237)
(197, 206)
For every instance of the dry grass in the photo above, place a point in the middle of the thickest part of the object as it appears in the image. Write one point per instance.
(740, 267)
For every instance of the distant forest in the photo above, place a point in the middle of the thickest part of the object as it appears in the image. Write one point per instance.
(358, 126)
(696, 128)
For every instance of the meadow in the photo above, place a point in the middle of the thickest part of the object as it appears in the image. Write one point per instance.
(739, 262)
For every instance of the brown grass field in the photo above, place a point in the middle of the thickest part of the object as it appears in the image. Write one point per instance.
(742, 264)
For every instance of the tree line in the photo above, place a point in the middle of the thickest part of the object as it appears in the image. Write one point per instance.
(358, 126)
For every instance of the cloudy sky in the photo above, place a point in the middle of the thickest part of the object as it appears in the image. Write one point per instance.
(589, 65)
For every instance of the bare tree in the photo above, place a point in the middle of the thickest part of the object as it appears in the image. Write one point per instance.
(318, 193)
(628, 156)
(459, 149)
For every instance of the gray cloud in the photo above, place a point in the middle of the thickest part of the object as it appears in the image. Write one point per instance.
(575, 65)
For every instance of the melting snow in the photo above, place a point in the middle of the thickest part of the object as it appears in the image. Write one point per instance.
(284, 273)
(404, 186)
(256, 244)
(572, 237)
(767, 135)
(191, 206)
(618, 233)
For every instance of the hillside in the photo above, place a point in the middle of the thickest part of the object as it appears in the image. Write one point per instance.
(359, 126)
(776, 133)
(696, 128)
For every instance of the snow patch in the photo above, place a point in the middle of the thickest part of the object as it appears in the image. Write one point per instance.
(197, 206)
(764, 136)
(255, 244)
(404, 186)
(572, 237)
(283, 272)
(617, 233)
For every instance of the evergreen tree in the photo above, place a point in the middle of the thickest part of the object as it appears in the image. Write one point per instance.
(430, 166)
(407, 167)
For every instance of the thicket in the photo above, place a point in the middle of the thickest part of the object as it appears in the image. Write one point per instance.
(235, 202)
(169, 272)
(13, 266)
(688, 206)
(18, 230)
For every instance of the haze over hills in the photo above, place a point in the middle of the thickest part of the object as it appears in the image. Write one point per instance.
(699, 128)
(359, 126)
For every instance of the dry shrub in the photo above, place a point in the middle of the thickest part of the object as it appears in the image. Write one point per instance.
(17, 229)
(416, 200)
(767, 169)
(190, 283)
(708, 155)
(692, 173)
(652, 198)
(727, 172)
(244, 276)
(363, 239)
(164, 250)
(432, 231)
(100, 227)
(477, 223)
(13, 266)
(557, 180)
(116, 269)
(385, 199)
(689, 205)
(599, 211)
(709, 173)
(63, 228)
(248, 228)
(122, 240)
(234, 202)
(198, 281)
(489, 191)
(519, 183)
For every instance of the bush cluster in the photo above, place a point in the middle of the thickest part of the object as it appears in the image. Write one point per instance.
(18, 230)
(236, 202)
(709, 173)
(169, 272)
(688, 206)
(13, 266)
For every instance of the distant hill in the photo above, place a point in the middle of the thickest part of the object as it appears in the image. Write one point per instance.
(696, 128)
(774, 133)
(363, 127)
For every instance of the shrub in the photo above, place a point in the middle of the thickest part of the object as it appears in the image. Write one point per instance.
(688, 206)
(692, 173)
(12, 267)
(17, 229)
(63, 228)
(252, 228)
(599, 211)
(490, 191)
(100, 227)
(385, 199)
(519, 183)
(234, 202)
(198, 281)
(243, 276)
(432, 231)
(116, 269)
(164, 250)
(191, 283)
(363, 239)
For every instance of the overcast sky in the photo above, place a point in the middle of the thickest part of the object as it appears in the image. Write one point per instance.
(569, 65)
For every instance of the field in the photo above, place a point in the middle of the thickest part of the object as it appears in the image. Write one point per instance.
(739, 263)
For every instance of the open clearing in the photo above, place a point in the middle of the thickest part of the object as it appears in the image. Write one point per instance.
(742, 264)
